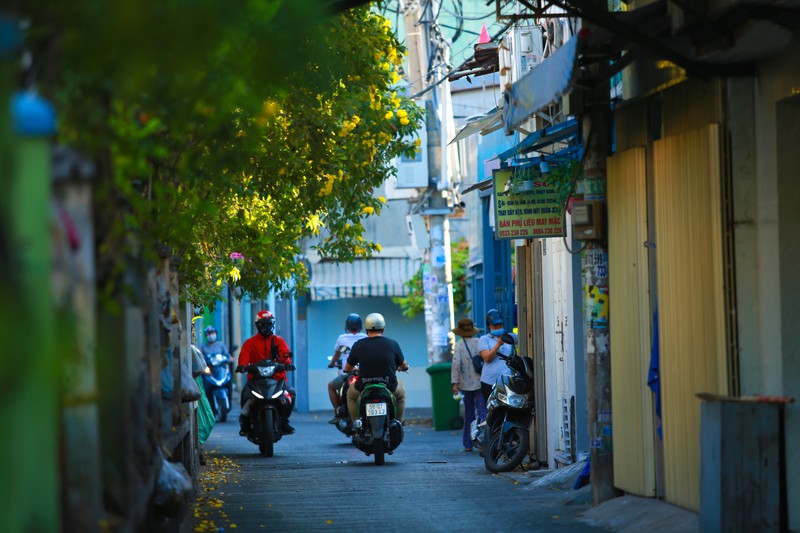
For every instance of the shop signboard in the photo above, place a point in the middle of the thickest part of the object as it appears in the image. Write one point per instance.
(530, 209)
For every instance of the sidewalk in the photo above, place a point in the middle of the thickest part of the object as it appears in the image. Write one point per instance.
(626, 514)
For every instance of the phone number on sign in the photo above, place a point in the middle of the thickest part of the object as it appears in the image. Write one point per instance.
(532, 232)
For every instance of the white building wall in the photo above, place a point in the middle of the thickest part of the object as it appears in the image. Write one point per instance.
(559, 349)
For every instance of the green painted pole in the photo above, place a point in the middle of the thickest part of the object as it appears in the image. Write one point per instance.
(32, 416)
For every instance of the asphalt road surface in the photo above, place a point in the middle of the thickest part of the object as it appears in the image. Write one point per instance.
(318, 481)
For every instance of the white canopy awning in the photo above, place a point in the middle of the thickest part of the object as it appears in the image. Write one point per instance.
(363, 278)
(491, 121)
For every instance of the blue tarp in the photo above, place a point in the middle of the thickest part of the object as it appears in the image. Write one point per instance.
(653, 377)
(546, 82)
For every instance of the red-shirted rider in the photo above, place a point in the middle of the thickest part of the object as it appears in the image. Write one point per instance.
(264, 345)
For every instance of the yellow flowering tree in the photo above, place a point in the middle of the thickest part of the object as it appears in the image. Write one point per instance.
(228, 151)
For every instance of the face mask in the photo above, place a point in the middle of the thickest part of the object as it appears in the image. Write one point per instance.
(498, 332)
(212, 337)
(265, 330)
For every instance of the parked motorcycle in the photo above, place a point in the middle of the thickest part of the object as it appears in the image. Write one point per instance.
(270, 405)
(377, 431)
(505, 441)
(343, 422)
(217, 383)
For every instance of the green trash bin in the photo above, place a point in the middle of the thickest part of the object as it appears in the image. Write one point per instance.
(445, 409)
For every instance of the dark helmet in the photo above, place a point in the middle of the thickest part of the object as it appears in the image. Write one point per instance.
(375, 322)
(353, 322)
(493, 317)
(210, 329)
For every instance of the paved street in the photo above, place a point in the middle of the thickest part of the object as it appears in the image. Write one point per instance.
(318, 481)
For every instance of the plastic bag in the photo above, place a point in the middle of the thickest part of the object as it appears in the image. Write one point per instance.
(173, 489)
(205, 416)
(190, 392)
(199, 364)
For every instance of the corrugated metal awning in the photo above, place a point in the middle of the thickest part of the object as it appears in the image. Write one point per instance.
(362, 278)
(539, 139)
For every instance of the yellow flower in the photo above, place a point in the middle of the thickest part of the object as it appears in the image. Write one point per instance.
(404, 121)
(328, 188)
(368, 210)
(378, 247)
(355, 120)
(388, 115)
(314, 223)
(417, 142)
(402, 113)
(382, 199)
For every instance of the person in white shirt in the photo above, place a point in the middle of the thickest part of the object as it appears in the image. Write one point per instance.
(490, 345)
(345, 341)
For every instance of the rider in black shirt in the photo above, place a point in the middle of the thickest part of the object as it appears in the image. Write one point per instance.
(378, 359)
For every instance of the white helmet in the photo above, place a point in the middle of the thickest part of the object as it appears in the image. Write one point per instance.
(375, 322)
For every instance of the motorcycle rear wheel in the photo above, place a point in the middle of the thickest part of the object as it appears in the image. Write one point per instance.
(379, 451)
(506, 452)
(267, 435)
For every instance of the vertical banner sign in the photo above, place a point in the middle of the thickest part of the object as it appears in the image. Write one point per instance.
(528, 209)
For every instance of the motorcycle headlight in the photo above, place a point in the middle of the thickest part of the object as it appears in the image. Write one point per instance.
(266, 371)
(516, 400)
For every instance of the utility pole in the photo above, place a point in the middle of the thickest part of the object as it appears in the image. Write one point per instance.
(594, 265)
(437, 271)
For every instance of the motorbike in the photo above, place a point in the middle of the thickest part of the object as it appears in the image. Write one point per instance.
(377, 431)
(217, 381)
(270, 405)
(505, 438)
(343, 422)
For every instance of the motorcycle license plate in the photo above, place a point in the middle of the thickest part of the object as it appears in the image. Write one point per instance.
(376, 409)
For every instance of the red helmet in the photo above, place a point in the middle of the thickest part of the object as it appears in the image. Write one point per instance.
(265, 323)
(264, 314)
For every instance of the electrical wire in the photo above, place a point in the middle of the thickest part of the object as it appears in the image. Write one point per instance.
(440, 81)
(457, 34)
(464, 17)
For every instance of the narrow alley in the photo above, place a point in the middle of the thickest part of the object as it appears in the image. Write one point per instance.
(318, 481)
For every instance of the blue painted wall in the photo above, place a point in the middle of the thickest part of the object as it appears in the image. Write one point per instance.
(326, 322)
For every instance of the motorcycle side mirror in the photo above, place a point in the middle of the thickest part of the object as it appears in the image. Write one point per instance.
(508, 338)
(234, 348)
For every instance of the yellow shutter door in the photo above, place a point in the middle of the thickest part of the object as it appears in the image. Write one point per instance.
(631, 398)
(690, 298)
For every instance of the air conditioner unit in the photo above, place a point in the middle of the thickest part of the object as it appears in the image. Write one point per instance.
(520, 51)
